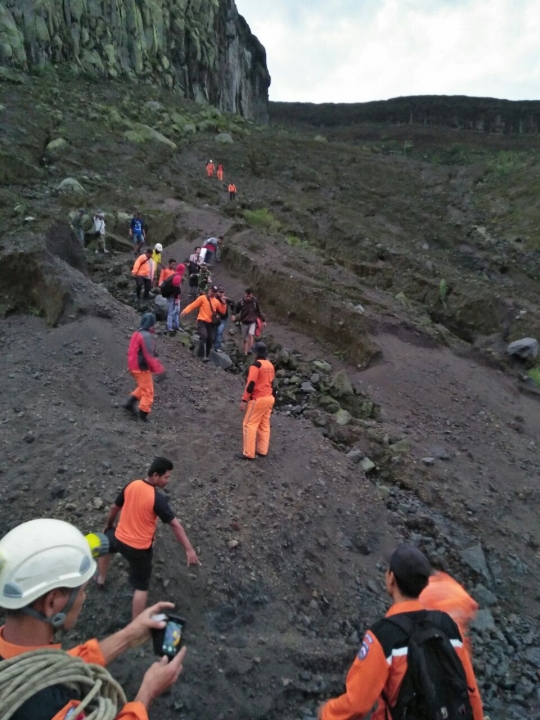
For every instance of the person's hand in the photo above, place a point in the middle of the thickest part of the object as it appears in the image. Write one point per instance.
(159, 677)
(192, 558)
(243, 406)
(320, 712)
(183, 313)
(233, 318)
(139, 630)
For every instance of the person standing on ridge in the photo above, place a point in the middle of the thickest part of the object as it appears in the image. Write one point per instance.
(171, 290)
(142, 363)
(210, 169)
(220, 172)
(247, 312)
(232, 191)
(50, 564)
(257, 404)
(380, 676)
(210, 310)
(142, 272)
(137, 233)
(140, 505)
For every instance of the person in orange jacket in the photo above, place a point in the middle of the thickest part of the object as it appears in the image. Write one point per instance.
(376, 675)
(142, 362)
(447, 595)
(143, 273)
(167, 272)
(210, 310)
(220, 172)
(210, 169)
(257, 404)
(50, 563)
(232, 191)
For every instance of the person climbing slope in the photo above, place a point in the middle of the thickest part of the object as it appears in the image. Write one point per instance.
(210, 310)
(171, 290)
(232, 191)
(210, 169)
(220, 172)
(143, 273)
(257, 404)
(137, 233)
(158, 265)
(142, 364)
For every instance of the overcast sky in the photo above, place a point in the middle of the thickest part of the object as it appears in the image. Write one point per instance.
(358, 50)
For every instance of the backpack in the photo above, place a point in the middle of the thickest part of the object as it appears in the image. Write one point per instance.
(435, 684)
(167, 287)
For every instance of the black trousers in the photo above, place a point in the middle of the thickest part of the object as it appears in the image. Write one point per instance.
(140, 283)
(207, 334)
(232, 195)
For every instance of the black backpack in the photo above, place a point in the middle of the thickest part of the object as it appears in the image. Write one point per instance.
(435, 684)
(167, 288)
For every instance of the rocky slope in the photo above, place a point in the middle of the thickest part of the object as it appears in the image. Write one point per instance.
(202, 48)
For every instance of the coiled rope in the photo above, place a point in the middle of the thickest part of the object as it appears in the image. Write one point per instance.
(25, 675)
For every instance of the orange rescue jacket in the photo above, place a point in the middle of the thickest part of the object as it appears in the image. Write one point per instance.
(259, 381)
(206, 307)
(142, 267)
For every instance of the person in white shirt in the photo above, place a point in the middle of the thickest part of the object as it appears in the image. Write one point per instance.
(99, 230)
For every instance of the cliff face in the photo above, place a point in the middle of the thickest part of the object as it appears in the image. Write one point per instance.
(203, 48)
(503, 117)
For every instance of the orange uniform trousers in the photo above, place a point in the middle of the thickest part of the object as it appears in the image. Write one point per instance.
(256, 426)
(145, 389)
(220, 175)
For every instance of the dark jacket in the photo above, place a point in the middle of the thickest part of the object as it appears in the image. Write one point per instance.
(248, 311)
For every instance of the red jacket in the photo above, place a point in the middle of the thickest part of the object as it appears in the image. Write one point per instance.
(141, 353)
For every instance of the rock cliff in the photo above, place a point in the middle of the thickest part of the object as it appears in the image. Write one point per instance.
(203, 48)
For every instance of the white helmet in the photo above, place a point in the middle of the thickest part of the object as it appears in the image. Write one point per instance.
(39, 556)
(159, 247)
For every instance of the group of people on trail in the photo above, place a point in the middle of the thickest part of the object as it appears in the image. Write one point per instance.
(218, 171)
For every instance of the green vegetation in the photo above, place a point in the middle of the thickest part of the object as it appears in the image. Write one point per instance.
(262, 219)
(294, 241)
(534, 374)
(444, 291)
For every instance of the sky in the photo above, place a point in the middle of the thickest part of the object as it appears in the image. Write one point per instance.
(360, 50)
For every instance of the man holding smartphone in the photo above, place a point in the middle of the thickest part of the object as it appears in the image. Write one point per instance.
(141, 505)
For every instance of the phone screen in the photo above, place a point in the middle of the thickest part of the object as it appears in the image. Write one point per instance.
(172, 638)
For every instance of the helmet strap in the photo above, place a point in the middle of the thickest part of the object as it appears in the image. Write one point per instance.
(57, 620)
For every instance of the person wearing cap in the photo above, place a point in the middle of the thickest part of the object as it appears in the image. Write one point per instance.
(142, 363)
(137, 233)
(157, 264)
(143, 272)
(45, 568)
(379, 669)
(229, 304)
(140, 506)
(210, 169)
(257, 404)
(210, 309)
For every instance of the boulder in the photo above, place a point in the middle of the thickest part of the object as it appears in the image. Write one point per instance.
(70, 185)
(356, 455)
(56, 146)
(320, 139)
(224, 139)
(342, 417)
(221, 360)
(483, 621)
(307, 387)
(341, 386)
(161, 307)
(474, 557)
(524, 349)
(367, 465)
(329, 404)
(402, 447)
(484, 596)
(322, 366)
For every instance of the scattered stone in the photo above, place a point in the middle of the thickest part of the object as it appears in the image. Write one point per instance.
(367, 465)
(483, 621)
(222, 360)
(484, 596)
(525, 349)
(474, 557)
(57, 145)
(70, 185)
(144, 133)
(533, 656)
(356, 455)
(224, 138)
(402, 447)
(440, 453)
(403, 299)
(320, 139)
(97, 503)
(343, 417)
(340, 385)
(329, 404)
(307, 387)
(233, 544)
(384, 492)
(429, 461)
(322, 366)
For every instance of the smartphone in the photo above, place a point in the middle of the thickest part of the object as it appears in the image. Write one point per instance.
(168, 641)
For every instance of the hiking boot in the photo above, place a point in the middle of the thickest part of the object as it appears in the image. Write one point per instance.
(129, 406)
(205, 359)
(143, 416)
(241, 456)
